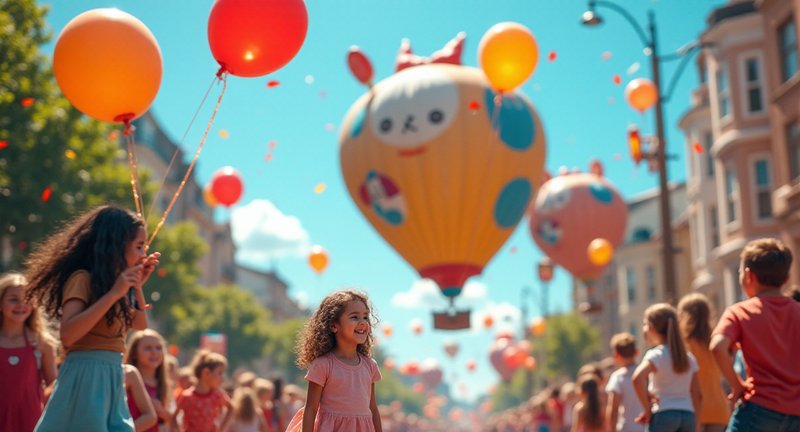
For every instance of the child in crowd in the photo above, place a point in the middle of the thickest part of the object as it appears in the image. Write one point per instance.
(247, 415)
(336, 347)
(694, 314)
(569, 399)
(185, 380)
(139, 403)
(27, 357)
(83, 276)
(672, 373)
(265, 391)
(766, 328)
(293, 399)
(146, 353)
(203, 404)
(623, 406)
(587, 416)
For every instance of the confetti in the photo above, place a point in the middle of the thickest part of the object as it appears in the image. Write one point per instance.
(474, 106)
(320, 188)
(617, 79)
(330, 127)
(268, 157)
(272, 144)
(113, 135)
(23, 245)
(70, 154)
(552, 56)
(3, 144)
(26, 102)
(309, 79)
(46, 194)
(273, 83)
(161, 272)
(698, 148)
(632, 69)
(606, 56)
(224, 134)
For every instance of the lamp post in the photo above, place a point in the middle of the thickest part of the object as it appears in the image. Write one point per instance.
(591, 18)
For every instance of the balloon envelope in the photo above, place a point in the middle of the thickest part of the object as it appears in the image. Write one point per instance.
(508, 54)
(227, 186)
(108, 64)
(318, 259)
(496, 350)
(399, 144)
(641, 94)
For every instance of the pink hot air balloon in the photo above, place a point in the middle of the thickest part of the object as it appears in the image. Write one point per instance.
(451, 347)
(430, 374)
(496, 350)
(570, 211)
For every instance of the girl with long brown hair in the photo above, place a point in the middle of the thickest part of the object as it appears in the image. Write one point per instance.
(146, 353)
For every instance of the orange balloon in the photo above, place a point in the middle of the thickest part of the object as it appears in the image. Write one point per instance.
(530, 363)
(508, 54)
(387, 330)
(488, 321)
(318, 259)
(538, 326)
(209, 197)
(600, 252)
(108, 65)
(641, 94)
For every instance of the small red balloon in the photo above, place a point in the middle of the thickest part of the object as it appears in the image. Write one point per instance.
(698, 148)
(360, 65)
(26, 102)
(3, 144)
(617, 79)
(227, 186)
(251, 38)
(474, 106)
(552, 56)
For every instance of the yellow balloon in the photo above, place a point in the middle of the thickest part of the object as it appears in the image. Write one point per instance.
(508, 54)
(538, 326)
(600, 251)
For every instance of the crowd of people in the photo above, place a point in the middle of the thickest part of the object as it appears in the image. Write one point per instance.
(740, 374)
(110, 372)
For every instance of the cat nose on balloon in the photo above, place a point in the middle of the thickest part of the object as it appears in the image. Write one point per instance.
(409, 124)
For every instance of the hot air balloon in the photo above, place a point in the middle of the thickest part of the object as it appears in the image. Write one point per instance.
(442, 168)
(496, 351)
(430, 374)
(451, 347)
(572, 210)
(472, 365)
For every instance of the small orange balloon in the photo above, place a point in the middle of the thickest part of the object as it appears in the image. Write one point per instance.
(108, 64)
(388, 330)
(209, 197)
(600, 251)
(389, 363)
(318, 259)
(488, 321)
(508, 54)
(174, 349)
(538, 326)
(530, 363)
(641, 94)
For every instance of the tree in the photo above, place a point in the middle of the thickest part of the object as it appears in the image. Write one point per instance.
(279, 349)
(54, 162)
(568, 343)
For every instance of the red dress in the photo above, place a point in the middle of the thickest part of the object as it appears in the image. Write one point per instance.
(21, 384)
(135, 413)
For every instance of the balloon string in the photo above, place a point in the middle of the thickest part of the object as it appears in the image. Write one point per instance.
(178, 148)
(133, 164)
(224, 81)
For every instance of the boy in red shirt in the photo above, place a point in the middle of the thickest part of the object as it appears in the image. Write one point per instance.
(766, 327)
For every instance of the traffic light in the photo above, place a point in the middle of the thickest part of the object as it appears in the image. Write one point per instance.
(635, 144)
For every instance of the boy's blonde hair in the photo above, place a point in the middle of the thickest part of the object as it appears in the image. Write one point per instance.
(262, 386)
(769, 260)
(205, 359)
(624, 344)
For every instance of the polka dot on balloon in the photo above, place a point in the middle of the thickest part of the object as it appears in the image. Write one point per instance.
(512, 202)
(601, 193)
(358, 123)
(515, 121)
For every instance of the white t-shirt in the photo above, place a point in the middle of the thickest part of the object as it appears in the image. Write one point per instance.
(621, 383)
(672, 390)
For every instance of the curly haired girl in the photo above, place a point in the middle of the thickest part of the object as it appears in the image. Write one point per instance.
(336, 347)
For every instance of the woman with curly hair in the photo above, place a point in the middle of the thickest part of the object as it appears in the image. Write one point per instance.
(336, 346)
(89, 276)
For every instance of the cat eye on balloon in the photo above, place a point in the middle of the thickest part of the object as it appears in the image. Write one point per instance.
(386, 125)
(436, 116)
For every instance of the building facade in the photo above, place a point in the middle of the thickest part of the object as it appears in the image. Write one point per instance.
(271, 292)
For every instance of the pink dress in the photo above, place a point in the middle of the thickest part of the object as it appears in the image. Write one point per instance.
(21, 384)
(344, 405)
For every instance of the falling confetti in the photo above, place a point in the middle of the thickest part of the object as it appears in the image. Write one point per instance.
(632, 69)
(273, 83)
(323, 94)
(162, 272)
(512, 250)
(309, 79)
(330, 127)
(320, 188)
(474, 106)
(23, 245)
(268, 157)
(70, 154)
(617, 79)
(552, 56)
(698, 148)
(606, 55)
(46, 194)
(272, 144)
(26, 102)
(3, 144)
(224, 134)
(113, 135)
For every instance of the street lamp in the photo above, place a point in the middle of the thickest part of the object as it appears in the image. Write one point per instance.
(591, 18)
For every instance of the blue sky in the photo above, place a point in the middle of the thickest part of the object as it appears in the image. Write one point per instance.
(583, 111)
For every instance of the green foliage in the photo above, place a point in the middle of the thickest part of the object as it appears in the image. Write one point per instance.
(49, 143)
(569, 343)
(226, 309)
(391, 388)
(512, 393)
(280, 347)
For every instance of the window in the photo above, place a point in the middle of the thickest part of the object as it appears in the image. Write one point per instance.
(714, 224)
(630, 283)
(787, 49)
(731, 194)
(755, 104)
(793, 141)
(762, 189)
(723, 93)
(650, 274)
(708, 142)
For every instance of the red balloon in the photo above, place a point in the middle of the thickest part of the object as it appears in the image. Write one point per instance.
(226, 186)
(360, 65)
(251, 38)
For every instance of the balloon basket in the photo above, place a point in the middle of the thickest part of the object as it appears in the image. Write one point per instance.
(451, 320)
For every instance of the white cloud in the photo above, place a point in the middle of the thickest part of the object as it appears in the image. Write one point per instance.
(424, 293)
(262, 233)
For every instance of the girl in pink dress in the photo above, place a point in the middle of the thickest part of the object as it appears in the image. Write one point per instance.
(335, 346)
